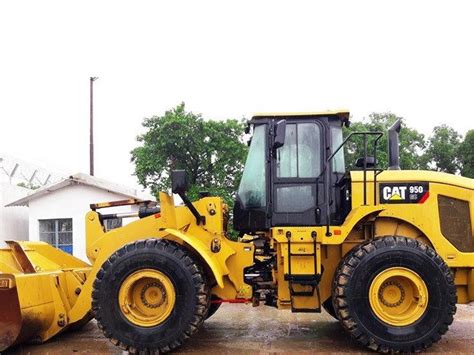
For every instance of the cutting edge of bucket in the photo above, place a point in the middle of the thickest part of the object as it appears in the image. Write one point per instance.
(10, 312)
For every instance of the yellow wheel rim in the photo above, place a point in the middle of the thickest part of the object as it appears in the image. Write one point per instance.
(398, 296)
(147, 297)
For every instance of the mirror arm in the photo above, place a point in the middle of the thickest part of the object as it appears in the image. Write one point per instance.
(199, 219)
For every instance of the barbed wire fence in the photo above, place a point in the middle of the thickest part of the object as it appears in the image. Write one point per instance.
(21, 173)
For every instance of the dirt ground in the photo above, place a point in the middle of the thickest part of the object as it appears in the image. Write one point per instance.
(243, 329)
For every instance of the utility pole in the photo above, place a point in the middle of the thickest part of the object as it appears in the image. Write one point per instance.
(91, 141)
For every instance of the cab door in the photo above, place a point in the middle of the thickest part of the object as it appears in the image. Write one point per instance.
(297, 179)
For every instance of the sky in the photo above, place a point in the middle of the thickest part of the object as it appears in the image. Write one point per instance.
(224, 59)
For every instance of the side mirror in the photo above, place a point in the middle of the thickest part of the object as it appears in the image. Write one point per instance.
(179, 184)
(280, 132)
(247, 128)
(369, 162)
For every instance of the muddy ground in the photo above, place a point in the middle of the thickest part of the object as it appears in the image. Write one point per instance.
(243, 329)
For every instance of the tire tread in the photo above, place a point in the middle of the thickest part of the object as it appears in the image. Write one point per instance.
(200, 286)
(353, 259)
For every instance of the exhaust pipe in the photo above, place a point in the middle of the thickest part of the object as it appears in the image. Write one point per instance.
(394, 146)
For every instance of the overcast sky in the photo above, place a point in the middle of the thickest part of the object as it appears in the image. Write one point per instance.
(225, 60)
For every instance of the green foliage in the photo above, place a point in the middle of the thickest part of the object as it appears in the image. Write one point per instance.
(442, 151)
(211, 152)
(466, 155)
(28, 185)
(411, 142)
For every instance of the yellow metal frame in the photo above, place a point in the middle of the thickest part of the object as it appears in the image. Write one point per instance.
(424, 217)
(417, 221)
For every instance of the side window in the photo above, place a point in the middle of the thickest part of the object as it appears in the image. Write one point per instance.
(300, 156)
(338, 164)
(287, 159)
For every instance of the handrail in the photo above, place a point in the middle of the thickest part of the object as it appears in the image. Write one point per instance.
(365, 169)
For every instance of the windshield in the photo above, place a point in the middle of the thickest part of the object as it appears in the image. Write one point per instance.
(252, 186)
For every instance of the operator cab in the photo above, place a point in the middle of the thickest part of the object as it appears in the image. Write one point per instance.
(286, 181)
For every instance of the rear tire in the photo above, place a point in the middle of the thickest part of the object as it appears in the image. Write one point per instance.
(156, 274)
(396, 316)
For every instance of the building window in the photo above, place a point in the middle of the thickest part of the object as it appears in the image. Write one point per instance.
(113, 223)
(57, 232)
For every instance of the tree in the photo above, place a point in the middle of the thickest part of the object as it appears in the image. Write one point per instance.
(212, 152)
(412, 142)
(28, 185)
(466, 155)
(442, 150)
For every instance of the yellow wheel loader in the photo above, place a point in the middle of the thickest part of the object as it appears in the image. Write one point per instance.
(388, 253)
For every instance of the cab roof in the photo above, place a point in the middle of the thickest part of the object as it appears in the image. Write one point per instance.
(343, 115)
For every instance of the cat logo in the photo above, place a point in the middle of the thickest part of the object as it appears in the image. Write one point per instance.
(394, 193)
(404, 192)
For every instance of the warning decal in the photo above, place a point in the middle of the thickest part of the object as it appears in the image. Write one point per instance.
(413, 192)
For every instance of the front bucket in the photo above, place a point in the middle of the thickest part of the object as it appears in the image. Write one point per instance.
(39, 286)
(10, 312)
(27, 309)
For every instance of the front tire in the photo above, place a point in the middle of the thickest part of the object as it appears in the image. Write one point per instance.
(150, 296)
(394, 294)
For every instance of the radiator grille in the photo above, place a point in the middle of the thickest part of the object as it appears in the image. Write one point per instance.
(455, 221)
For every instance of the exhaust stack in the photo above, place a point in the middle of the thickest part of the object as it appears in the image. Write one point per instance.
(394, 146)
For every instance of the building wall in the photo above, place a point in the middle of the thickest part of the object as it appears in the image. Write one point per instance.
(72, 202)
(13, 220)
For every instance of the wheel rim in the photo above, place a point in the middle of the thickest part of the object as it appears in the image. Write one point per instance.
(398, 296)
(147, 297)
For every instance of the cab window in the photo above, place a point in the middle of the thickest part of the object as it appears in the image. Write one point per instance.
(298, 160)
(300, 156)
(338, 164)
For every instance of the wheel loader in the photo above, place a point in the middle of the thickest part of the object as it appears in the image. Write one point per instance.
(388, 253)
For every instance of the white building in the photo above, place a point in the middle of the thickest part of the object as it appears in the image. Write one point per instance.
(56, 213)
(13, 220)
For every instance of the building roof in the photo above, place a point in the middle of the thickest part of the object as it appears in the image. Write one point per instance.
(78, 179)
